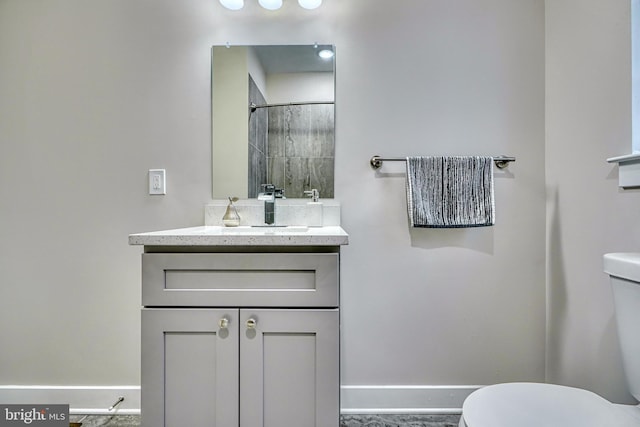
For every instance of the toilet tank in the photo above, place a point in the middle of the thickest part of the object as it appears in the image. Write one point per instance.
(624, 272)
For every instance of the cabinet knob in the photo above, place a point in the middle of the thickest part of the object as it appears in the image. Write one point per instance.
(251, 323)
(223, 323)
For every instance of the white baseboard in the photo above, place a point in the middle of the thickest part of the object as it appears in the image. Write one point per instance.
(94, 400)
(399, 399)
(355, 399)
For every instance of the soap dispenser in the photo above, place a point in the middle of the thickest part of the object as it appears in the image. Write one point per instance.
(231, 217)
(314, 208)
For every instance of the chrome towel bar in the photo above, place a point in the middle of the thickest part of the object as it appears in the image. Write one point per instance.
(376, 161)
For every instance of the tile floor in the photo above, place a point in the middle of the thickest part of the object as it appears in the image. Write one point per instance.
(399, 420)
(345, 420)
(107, 420)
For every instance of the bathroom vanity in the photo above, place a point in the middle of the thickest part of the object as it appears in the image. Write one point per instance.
(240, 326)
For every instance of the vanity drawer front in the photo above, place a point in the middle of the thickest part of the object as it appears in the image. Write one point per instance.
(240, 280)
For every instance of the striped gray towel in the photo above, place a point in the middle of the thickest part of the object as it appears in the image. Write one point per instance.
(450, 192)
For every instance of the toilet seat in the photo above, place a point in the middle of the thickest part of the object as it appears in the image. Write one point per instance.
(535, 405)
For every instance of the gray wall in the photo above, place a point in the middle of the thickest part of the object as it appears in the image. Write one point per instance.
(430, 306)
(588, 119)
(95, 94)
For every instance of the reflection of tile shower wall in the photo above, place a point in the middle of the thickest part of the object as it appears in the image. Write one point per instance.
(291, 147)
(257, 142)
(301, 149)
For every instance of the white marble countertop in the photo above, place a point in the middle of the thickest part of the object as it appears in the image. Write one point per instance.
(244, 236)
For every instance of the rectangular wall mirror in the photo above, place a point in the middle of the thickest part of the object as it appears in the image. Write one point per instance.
(272, 119)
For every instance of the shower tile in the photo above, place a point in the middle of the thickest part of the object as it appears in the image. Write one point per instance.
(277, 132)
(257, 119)
(257, 142)
(303, 136)
(262, 129)
(276, 173)
(306, 173)
(310, 131)
(257, 171)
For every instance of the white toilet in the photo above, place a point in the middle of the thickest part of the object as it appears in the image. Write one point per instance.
(547, 405)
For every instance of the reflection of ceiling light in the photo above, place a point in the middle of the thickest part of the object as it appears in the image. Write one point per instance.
(325, 54)
(232, 4)
(271, 4)
(310, 4)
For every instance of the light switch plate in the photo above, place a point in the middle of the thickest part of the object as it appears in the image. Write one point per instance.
(157, 181)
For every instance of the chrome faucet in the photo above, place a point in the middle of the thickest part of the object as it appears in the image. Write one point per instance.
(269, 194)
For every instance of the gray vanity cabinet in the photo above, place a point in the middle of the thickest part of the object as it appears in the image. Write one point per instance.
(270, 360)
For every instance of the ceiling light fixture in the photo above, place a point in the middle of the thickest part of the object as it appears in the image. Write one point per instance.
(232, 4)
(270, 4)
(325, 53)
(310, 4)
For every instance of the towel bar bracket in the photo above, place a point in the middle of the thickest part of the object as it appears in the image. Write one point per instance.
(501, 162)
(376, 162)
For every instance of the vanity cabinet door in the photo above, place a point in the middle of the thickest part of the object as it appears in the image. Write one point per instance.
(190, 367)
(289, 364)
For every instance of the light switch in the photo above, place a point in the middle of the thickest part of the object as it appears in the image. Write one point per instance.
(157, 181)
